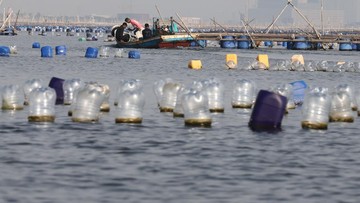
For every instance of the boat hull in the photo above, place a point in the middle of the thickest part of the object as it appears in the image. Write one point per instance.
(163, 41)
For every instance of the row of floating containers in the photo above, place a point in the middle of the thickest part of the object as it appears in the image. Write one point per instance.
(299, 43)
(194, 102)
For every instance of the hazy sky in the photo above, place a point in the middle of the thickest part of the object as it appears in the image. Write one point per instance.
(220, 9)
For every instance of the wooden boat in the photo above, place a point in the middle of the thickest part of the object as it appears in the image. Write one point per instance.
(161, 41)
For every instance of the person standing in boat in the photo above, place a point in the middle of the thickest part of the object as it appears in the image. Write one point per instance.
(173, 26)
(147, 33)
(137, 28)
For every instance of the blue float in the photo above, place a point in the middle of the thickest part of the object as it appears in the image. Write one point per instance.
(358, 47)
(300, 43)
(268, 111)
(36, 45)
(284, 44)
(134, 54)
(268, 43)
(57, 85)
(60, 50)
(289, 45)
(243, 42)
(46, 52)
(228, 42)
(91, 52)
(345, 45)
(299, 88)
(197, 43)
(4, 51)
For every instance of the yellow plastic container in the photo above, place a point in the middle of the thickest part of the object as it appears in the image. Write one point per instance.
(195, 64)
(264, 59)
(299, 58)
(231, 60)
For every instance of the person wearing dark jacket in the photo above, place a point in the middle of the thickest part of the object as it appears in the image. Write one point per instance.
(118, 32)
(147, 33)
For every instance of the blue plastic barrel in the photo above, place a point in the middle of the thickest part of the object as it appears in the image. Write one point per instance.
(268, 111)
(46, 51)
(197, 43)
(345, 46)
(289, 45)
(91, 52)
(228, 42)
(134, 54)
(36, 45)
(358, 47)
(268, 43)
(301, 43)
(57, 85)
(4, 51)
(243, 42)
(299, 88)
(60, 50)
(284, 44)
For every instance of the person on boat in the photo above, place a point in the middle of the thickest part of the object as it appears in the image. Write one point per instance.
(118, 32)
(136, 26)
(173, 26)
(157, 27)
(147, 33)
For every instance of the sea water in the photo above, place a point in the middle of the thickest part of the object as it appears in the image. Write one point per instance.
(162, 160)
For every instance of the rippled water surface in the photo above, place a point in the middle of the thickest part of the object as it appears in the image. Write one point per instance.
(161, 160)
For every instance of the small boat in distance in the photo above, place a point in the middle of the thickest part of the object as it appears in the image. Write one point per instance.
(160, 41)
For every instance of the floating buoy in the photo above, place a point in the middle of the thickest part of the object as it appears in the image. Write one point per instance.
(243, 94)
(4, 51)
(316, 109)
(12, 98)
(243, 42)
(91, 52)
(268, 111)
(86, 107)
(228, 42)
(13, 49)
(42, 105)
(231, 61)
(195, 64)
(264, 59)
(134, 54)
(46, 52)
(105, 106)
(300, 43)
(130, 106)
(340, 110)
(60, 50)
(132, 84)
(168, 99)
(196, 109)
(70, 87)
(57, 85)
(298, 58)
(104, 52)
(119, 53)
(286, 90)
(345, 45)
(29, 86)
(214, 90)
(36, 45)
(299, 88)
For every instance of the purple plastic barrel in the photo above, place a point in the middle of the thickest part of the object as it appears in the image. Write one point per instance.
(57, 84)
(268, 111)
